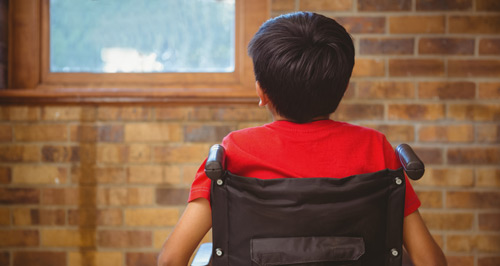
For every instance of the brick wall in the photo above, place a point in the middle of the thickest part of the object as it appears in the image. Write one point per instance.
(103, 185)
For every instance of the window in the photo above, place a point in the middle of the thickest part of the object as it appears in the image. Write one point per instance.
(113, 36)
(42, 64)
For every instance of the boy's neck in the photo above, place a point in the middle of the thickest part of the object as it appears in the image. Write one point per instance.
(281, 118)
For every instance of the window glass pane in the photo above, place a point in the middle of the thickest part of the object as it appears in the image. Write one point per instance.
(110, 36)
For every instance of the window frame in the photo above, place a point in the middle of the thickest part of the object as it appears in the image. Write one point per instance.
(30, 79)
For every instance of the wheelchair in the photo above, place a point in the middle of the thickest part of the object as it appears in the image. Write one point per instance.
(355, 220)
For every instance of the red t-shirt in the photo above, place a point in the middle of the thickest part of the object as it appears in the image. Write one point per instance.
(324, 148)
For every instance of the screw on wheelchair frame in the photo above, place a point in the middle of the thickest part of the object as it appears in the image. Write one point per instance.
(394, 252)
(398, 181)
(218, 252)
(220, 182)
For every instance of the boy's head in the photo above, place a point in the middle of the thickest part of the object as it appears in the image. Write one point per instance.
(303, 62)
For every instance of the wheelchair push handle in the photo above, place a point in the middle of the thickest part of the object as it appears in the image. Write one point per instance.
(412, 165)
(216, 162)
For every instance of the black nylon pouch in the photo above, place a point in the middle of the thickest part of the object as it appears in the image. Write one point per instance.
(292, 217)
(306, 250)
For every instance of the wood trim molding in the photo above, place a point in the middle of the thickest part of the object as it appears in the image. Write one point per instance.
(30, 82)
(24, 44)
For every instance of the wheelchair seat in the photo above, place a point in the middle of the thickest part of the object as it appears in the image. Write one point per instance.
(355, 220)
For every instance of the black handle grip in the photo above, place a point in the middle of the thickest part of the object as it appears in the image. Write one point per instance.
(216, 162)
(413, 166)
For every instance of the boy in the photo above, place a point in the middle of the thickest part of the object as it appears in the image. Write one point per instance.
(302, 63)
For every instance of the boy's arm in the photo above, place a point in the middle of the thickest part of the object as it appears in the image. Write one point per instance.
(187, 234)
(419, 243)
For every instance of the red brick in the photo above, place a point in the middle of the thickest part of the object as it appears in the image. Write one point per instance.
(193, 153)
(489, 221)
(364, 24)
(282, 5)
(369, 68)
(5, 175)
(39, 258)
(62, 237)
(490, 90)
(488, 133)
(19, 196)
(416, 67)
(480, 24)
(23, 113)
(478, 156)
(92, 217)
(415, 112)
(41, 132)
(38, 174)
(141, 258)
(474, 68)
(112, 153)
(353, 111)
(472, 199)
(52, 153)
(5, 133)
(471, 243)
(18, 238)
(173, 174)
(448, 221)
(325, 5)
(488, 261)
(61, 113)
(132, 113)
(102, 175)
(460, 260)
(83, 196)
(384, 5)
(88, 114)
(489, 46)
(429, 155)
(417, 24)
(171, 196)
(447, 90)
(124, 239)
(395, 133)
(488, 177)
(474, 112)
(139, 153)
(4, 217)
(430, 199)
(152, 216)
(111, 133)
(119, 196)
(173, 113)
(152, 132)
(446, 46)
(229, 113)
(145, 174)
(386, 46)
(444, 5)
(448, 133)
(83, 133)
(90, 257)
(20, 153)
(29, 216)
(447, 177)
(206, 133)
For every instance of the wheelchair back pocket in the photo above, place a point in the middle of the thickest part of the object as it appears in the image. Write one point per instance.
(307, 251)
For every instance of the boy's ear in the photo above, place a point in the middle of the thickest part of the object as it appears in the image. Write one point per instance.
(264, 100)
